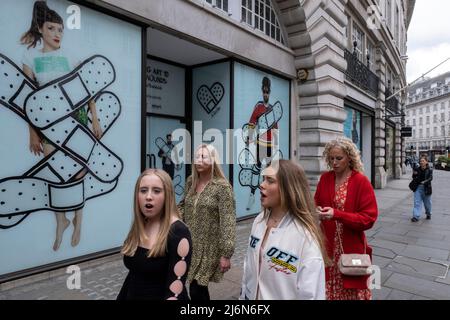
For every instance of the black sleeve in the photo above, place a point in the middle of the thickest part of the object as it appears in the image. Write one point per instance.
(179, 232)
(430, 177)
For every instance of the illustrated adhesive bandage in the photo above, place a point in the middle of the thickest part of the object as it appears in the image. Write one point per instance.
(81, 167)
(209, 98)
(15, 86)
(59, 98)
(249, 175)
(268, 120)
(164, 147)
(179, 190)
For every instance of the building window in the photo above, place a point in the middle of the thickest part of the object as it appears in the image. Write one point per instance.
(435, 107)
(428, 109)
(428, 120)
(435, 131)
(414, 112)
(442, 130)
(389, 13)
(414, 122)
(396, 25)
(371, 54)
(428, 132)
(221, 4)
(421, 111)
(420, 133)
(435, 118)
(420, 121)
(358, 37)
(260, 15)
(442, 116)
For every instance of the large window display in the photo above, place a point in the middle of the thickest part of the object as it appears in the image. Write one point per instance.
(352, 126)
(165, 115)
(70, 95)
(261, 121)
(211, 108)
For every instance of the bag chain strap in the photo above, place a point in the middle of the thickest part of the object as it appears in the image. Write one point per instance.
(338, 230)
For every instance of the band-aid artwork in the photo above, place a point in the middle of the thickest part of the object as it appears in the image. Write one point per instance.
(210, 97)
(80, 167)
(260, 135)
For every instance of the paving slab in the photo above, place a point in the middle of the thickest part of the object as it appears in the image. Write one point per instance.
(421, 287)
(424, 253)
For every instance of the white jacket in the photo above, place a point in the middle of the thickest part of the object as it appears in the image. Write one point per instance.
(292, 266)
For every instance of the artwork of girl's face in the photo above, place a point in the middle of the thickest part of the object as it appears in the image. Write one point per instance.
(52, 34)
(270, 190)
(151, 196)
(203, 161)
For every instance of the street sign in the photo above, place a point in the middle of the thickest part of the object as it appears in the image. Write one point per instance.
(406, 132)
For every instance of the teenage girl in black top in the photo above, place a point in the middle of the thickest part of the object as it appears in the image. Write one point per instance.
(158, 248)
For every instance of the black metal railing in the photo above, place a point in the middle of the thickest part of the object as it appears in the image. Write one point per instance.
(358, 73)
(392, 105)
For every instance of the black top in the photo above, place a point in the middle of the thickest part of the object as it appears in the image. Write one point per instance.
(151, 278)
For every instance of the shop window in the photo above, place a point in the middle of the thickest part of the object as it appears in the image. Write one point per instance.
(352, 126)
(89, 177)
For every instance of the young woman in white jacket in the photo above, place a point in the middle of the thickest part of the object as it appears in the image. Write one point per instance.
(286, 254)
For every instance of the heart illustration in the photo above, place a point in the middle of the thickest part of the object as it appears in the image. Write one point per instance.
(209, 98)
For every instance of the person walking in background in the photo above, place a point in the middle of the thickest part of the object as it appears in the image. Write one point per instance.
(209, 209)
(167, 163)
(286, 252)
(422, 177)
(347, 207)
(157, 250)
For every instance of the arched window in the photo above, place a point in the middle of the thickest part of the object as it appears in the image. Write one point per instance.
(261, 15)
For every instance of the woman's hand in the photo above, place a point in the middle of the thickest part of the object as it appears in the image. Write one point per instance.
(224, 264)
(325, 213)
(35, 143)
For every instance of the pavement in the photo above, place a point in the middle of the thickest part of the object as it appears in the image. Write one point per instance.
(413, 258)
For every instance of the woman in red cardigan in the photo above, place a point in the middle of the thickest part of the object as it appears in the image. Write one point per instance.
(347, 207)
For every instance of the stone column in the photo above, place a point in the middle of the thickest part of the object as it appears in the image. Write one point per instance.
(380, 125)
(398, 151)
(318, 47)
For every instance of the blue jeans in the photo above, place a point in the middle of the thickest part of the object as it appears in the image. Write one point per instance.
(419, 196)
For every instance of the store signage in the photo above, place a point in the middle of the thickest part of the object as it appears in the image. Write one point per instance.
(406, 132)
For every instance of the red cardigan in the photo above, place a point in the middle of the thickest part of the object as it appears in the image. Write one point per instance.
(360, 213)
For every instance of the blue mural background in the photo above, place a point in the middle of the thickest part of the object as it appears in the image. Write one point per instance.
(107, 218)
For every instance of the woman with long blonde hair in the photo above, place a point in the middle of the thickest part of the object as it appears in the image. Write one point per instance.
(347, 207)
(209, 209)
(157, 250)
(286, 255)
